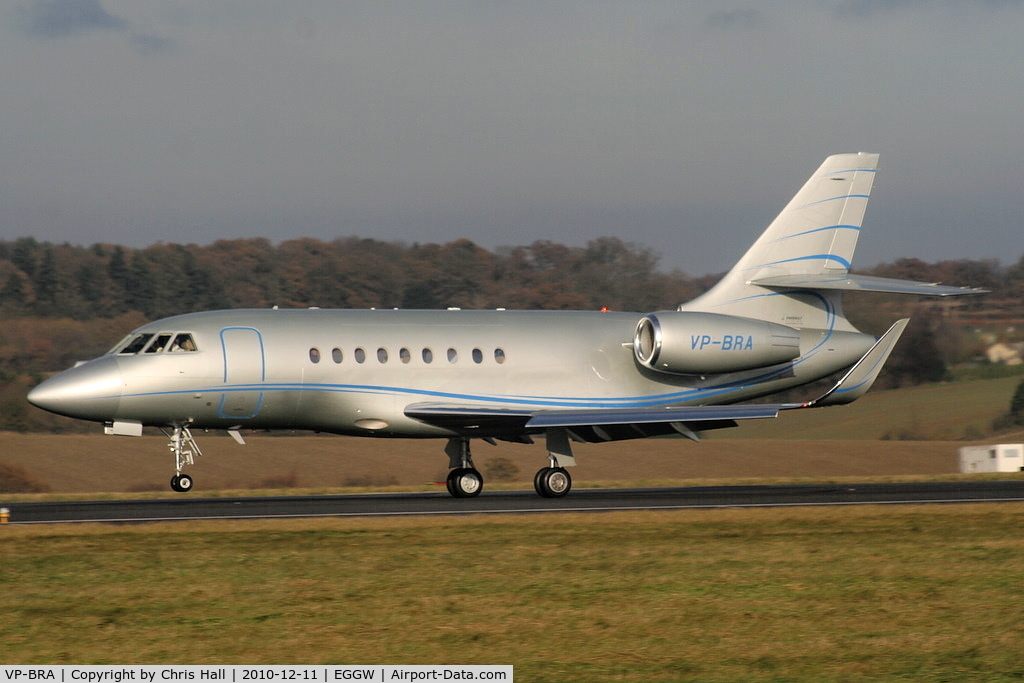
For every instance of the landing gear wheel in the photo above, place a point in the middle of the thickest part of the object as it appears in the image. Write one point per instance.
(181, 483)
(465, 482)
(537, 485)
(552, 482)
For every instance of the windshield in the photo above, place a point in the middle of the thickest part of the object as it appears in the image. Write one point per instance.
(150, 342)
(135, 344)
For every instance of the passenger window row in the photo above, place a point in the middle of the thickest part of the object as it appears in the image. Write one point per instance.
(405, 356)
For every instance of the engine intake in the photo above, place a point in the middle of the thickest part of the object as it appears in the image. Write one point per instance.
(692, 343)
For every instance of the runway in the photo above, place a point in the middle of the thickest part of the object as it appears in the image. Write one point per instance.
(513, 502)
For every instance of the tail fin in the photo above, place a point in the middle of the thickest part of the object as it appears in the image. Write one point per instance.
(813, 238)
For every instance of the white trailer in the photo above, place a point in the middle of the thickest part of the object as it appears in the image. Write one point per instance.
(1000, 457)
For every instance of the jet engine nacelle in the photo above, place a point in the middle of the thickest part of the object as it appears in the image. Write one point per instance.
(691, 343)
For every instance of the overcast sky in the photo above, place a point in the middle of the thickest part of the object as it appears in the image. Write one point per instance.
(680, 126)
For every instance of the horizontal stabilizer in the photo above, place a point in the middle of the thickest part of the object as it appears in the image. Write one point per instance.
(862, 283)
(856, 382)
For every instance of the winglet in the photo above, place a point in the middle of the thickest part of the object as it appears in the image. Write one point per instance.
(862, 375)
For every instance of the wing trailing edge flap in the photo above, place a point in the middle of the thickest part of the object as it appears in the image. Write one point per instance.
(591, 425)
(859, 378)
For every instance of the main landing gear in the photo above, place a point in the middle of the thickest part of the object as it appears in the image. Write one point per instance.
(185, 449)
(554, 481)
(464, 481)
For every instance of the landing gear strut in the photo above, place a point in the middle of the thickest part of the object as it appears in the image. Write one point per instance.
(185, 449)
(464, 481)
(554, 481)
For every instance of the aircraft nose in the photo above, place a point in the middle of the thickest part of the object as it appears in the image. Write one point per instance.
(91, 391)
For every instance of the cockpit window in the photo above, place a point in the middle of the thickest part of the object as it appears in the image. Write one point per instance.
(136, 343)
(116, 348)
(159, 344)
(183, 342)
(148, 342)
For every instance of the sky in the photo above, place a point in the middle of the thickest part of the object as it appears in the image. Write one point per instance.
(680, 126)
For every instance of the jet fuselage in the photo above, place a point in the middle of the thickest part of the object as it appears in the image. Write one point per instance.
(356, 372)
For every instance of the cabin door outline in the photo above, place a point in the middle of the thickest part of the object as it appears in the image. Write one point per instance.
(245, 370)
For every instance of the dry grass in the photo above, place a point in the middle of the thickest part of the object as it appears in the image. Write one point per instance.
(96, 463)
(872, 593)
(887, 433)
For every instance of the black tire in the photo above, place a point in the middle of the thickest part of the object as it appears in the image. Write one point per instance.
(450, 483)
(465, 482)
(181, 483)
(538, 480)
(553, 482)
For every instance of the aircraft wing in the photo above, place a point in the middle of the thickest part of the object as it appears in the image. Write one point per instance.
(613, 424)
(859, 378)
(598, 424)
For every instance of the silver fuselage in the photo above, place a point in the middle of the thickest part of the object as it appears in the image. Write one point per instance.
(355, 372)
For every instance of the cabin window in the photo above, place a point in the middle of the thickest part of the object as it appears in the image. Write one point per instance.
(359, 354)
(183, 342)
(159, 344)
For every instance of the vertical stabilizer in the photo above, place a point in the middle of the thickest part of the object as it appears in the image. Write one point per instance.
(815, 235)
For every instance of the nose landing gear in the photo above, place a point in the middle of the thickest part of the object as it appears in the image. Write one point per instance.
(185, 449)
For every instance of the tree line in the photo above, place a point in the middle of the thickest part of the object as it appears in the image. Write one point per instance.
(60, 303)
(39, 279)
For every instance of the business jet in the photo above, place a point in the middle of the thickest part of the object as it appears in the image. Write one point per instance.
(774, 322)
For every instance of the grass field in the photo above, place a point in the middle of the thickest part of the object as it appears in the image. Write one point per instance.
(867, 593)
(941, 412)
(861, 593)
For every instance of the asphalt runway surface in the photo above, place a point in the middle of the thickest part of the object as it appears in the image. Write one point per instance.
(512, 502)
